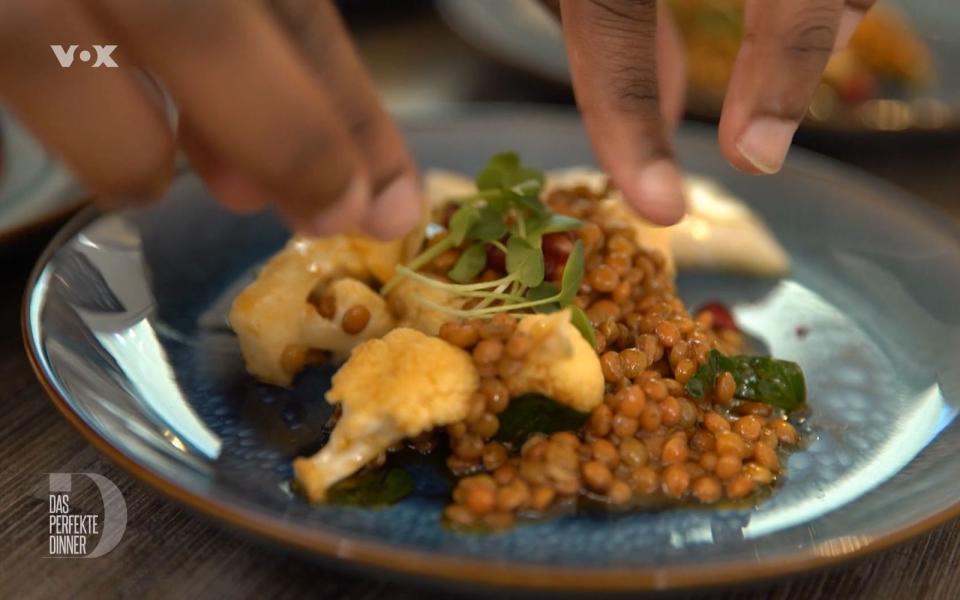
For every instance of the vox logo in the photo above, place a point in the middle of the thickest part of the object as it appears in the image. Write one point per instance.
(66, 55)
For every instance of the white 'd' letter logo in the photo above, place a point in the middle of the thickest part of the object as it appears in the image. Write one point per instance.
(65, 57)
(114, 509)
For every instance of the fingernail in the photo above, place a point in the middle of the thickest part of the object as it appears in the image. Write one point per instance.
(660, 193)
(345, 214)
(849, 20)
(396, 210)
(765, 143)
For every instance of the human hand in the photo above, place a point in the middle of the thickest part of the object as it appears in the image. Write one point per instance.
(273, 103)
(618, 56)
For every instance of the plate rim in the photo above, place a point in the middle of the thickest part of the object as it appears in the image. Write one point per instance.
(343, 550)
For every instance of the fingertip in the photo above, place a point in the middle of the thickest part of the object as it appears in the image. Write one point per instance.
(657, 194)
(236, 192)
(849, 21)
(765, 142)
(395, 210)
(346, 214)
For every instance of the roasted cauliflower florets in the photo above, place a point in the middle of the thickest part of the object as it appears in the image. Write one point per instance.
(413, 313)
(328, 334)
(391, 388)
(718, 233)
(561, 364)
(270, 314)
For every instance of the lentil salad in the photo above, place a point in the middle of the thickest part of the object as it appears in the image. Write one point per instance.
(533, 338)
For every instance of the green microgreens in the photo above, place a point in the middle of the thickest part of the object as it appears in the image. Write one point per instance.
(506, 214)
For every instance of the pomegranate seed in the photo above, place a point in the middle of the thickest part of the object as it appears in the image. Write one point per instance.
(722, 317)
(496, 259)
(556, 249)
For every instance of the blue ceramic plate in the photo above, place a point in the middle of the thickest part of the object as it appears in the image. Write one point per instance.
(125, 322)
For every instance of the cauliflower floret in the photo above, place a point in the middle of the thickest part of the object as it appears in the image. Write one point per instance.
(270, 314)
(391, 388)
(561, 364)
(719, 232)
(380, 258)
(412, 313)
(328, 334)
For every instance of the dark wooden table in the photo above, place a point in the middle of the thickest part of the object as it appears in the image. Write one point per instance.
(170, 552)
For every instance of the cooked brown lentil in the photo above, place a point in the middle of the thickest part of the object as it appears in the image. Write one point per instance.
(293, 358)
(325, 303)
(648, 442)
(462, 335)
(355, 319)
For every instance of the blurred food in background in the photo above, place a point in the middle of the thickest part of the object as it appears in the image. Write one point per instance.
(885, 58)
(901, 71)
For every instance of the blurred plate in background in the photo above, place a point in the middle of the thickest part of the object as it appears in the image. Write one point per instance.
(35, 189)
(912, 81)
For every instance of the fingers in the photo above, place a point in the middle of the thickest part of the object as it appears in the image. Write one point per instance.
(226, 184)
(786, 46)
(321, 36)
(101, 120)
(612, 49)
(253, 101)
(671, 67)
(850, 18)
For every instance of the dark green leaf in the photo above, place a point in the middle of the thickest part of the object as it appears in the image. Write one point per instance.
(498, 204)
(462, 221)
(489, 225)
(504, 174)
(540, 225)
(494, 175)
(702, 382)
(526, 189)
(471, 262)
(583, 325)
(525, 181)
(777, 382)
(552, 223)
(572, 275)
(535, 413)
(759, 379)
(524, 261)
(377, 487)
(542, 291)
(530, 203)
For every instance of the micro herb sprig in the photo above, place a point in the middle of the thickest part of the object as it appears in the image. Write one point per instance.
(507, 214)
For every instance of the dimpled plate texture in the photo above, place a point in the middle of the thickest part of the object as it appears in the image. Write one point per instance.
(126, 322)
